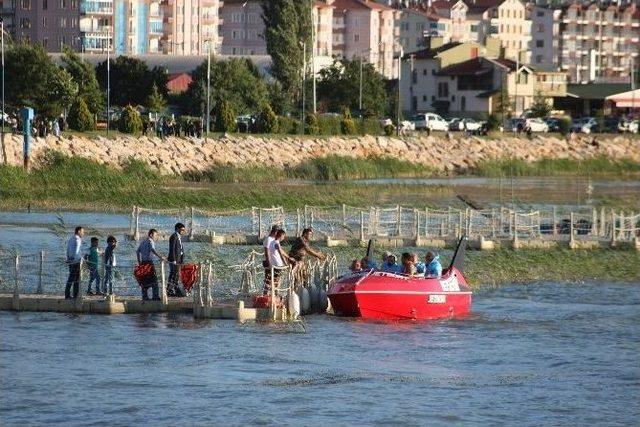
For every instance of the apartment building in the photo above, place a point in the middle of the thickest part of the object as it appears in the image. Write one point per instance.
(366, 29)
(242, 28)
(599, 44)
(52, 23)
(188, 27)
(511, 25)
(545, 37)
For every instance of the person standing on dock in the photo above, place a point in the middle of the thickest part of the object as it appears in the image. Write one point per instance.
(278, 259)
(176, 259)
(109, 264)
(94, 263)
(145, 253)
(299, 251)
(74, 258)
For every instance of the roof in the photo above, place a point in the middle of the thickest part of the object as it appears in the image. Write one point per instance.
(429, 53)
(472, 67)
(442, 4)
(177, 83)
(596, 90)
(488, 94)
(479, 6)
(359, 4)
(629, 99)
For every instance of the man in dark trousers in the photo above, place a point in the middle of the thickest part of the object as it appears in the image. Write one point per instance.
(74, 258)
(176, 259)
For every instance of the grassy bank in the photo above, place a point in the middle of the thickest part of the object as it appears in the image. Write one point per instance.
(556, 167)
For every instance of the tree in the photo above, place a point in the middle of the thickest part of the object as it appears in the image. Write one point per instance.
(156, 102)
(33, 80)
(339, 85)
(80, 118)
(84, 75)
(313, 127)
(237, 80)
(225, 117)
(130, 120)
(540, 107)
(347, 124)
(287, 27)
(131, 80)
(268, 121)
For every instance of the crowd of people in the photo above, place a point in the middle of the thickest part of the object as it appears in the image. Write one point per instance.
(409, 265)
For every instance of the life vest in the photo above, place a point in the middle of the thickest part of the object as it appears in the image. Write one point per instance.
(188, 276)
(261, 301)
(142, 272)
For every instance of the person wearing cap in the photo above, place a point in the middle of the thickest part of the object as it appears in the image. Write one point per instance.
(176, 259)
(109, 265)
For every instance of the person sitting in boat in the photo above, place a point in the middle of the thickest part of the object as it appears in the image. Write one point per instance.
(434, 268)
(356, 266)
(408, 267)
(421, 267)
(390, 265)
(368, 264)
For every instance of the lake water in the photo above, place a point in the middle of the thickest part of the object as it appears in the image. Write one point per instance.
(538, 354)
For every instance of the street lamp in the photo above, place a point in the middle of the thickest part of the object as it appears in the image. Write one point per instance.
(401, 53)
(2, 42)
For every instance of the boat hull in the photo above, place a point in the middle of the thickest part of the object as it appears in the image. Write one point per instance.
(377, 295)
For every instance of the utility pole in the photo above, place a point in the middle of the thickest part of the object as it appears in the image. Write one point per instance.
(108, 79)
(304, 83)
(398, 113)
(2, 42)
(313, 56)
(515, 110)
(360, 102)
(208, 115)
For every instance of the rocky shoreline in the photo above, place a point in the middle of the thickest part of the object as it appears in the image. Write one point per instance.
(446, 155)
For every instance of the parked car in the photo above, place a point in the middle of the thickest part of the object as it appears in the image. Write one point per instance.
(611, 124)
(629, 126)
(471, 125)
(553, 124)
(584, 125)
(454, 123)
(245, 123)
(430, 121)
(536, 125)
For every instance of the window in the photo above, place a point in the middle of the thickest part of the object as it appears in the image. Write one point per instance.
(463, 103)
(45, 42)
(443, 90)
(25, 23)
(63, 22)
(414, 77)
(424, 98)
(63, 4)
(538, 59)
(356, 38)
(356, 22)
(540, 13)
(541, 28)
(474, 28)
(25, 5)
(44, 5)
(414, 103)
(424, 72)
(44, 22)
(540, 43)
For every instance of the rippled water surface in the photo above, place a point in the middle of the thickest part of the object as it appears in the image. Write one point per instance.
(544, 354)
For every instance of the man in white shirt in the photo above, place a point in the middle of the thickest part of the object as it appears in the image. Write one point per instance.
(278, 258)
(74, 257)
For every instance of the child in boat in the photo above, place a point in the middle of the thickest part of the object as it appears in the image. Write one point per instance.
(368, 264)
(390, 265)
(408, 267)
(421, 267)
(434, 268)
(356, 266)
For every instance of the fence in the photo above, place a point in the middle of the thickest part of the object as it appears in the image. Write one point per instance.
(344, 222)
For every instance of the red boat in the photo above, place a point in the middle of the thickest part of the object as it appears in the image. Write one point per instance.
(379, 295)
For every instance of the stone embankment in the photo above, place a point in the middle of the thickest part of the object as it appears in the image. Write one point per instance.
(178, 155)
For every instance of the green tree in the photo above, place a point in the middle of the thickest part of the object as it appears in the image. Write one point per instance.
(540, 107)
(130, 120)
(237, 80)
(80, 118)
(156, 103)
(32, 79)
(131, 80)
(268, 121)
(339, 85)
(287, 27)
(84, 75)
(225, 117)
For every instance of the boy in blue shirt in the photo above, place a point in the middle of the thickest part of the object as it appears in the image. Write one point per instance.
(434, 268)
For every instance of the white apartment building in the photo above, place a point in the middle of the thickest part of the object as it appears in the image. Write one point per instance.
(545, 37)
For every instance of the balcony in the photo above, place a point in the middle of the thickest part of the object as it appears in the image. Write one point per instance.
(96, 29)
(93, 8)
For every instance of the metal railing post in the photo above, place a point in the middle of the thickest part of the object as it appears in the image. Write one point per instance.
(259, 223)
(191, 224)
(555, 222)
(16, 284)
(361, 226)
(163, 283)
(426, 222)
(344, 215)
(40, 289)
(399, 220)
(136, 231)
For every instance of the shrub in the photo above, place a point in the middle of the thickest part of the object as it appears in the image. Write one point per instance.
(268, 121)
(493, 122)
(225, 117)
(369, 126)
(80, 118)
(329, 125)
(389, 130)
(347, 125)
(313, 128)
(565, 125)
(288, 125)
(130, 120)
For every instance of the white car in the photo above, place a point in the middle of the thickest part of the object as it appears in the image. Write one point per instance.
(629, 126)
(470, 125)
(430, 121)
(537, 125)
(584, 125)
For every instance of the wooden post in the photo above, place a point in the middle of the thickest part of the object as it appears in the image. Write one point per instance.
(344, 215)
(272, 294)
(362, 226)
(426, 222)
(571, 226)
(136, 231)
(311, 218)
(416, 223)
(298, 222)
(132, 220)
(259, 223)
(196, 308)
(306, 209)
(40, 289)
(16, 290)
(514, 225)
(192, 222)
(493, 223)
(555, 222)
(621, 228)
(449, 220)
(398, 219)
(468, 217)
(594, 222)
(603, 222)
(459, 230)
(163, 283)
(210, 285)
